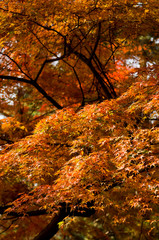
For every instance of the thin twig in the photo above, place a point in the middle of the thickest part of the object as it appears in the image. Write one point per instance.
(4, 54)
(6, 228)
(141, 229)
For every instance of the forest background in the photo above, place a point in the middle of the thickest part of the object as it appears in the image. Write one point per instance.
(80, 134)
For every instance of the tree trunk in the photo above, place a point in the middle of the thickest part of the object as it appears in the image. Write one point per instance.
(51, 229)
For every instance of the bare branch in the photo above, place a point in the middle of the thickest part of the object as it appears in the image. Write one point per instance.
(83, 97)
(19, 79)
(42, 91)
(105, 75)
(77, 77)
(41, 42)
(45, 62)
(47, 28)
(100, 79)
(12, 60)
(80, 40)
(6, 140)
(7, 228)
(54, 30)
(37, 86)
(96, 43)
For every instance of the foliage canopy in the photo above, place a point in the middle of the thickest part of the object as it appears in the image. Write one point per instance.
(81, 137)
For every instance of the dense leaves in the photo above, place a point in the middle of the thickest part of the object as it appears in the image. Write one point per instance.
(97, 156)
(107, 157)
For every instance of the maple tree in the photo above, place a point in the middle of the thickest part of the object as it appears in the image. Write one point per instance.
(72, 34)
(86, 164)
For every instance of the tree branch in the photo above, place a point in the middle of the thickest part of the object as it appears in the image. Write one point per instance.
(19, 79)
(52, 228)
(7, 228)
(54, 30)
(83, 97)
(45, 62)
(6, 140)
(80, 85)
(97, 41)
(50, 99)
(37, 86)
(105, 75)
(12, 60)
(15, 214)
(96, 74)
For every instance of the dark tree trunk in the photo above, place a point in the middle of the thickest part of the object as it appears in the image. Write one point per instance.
(106, 86)
(52, 228)
(36, 85)
(50, 99)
